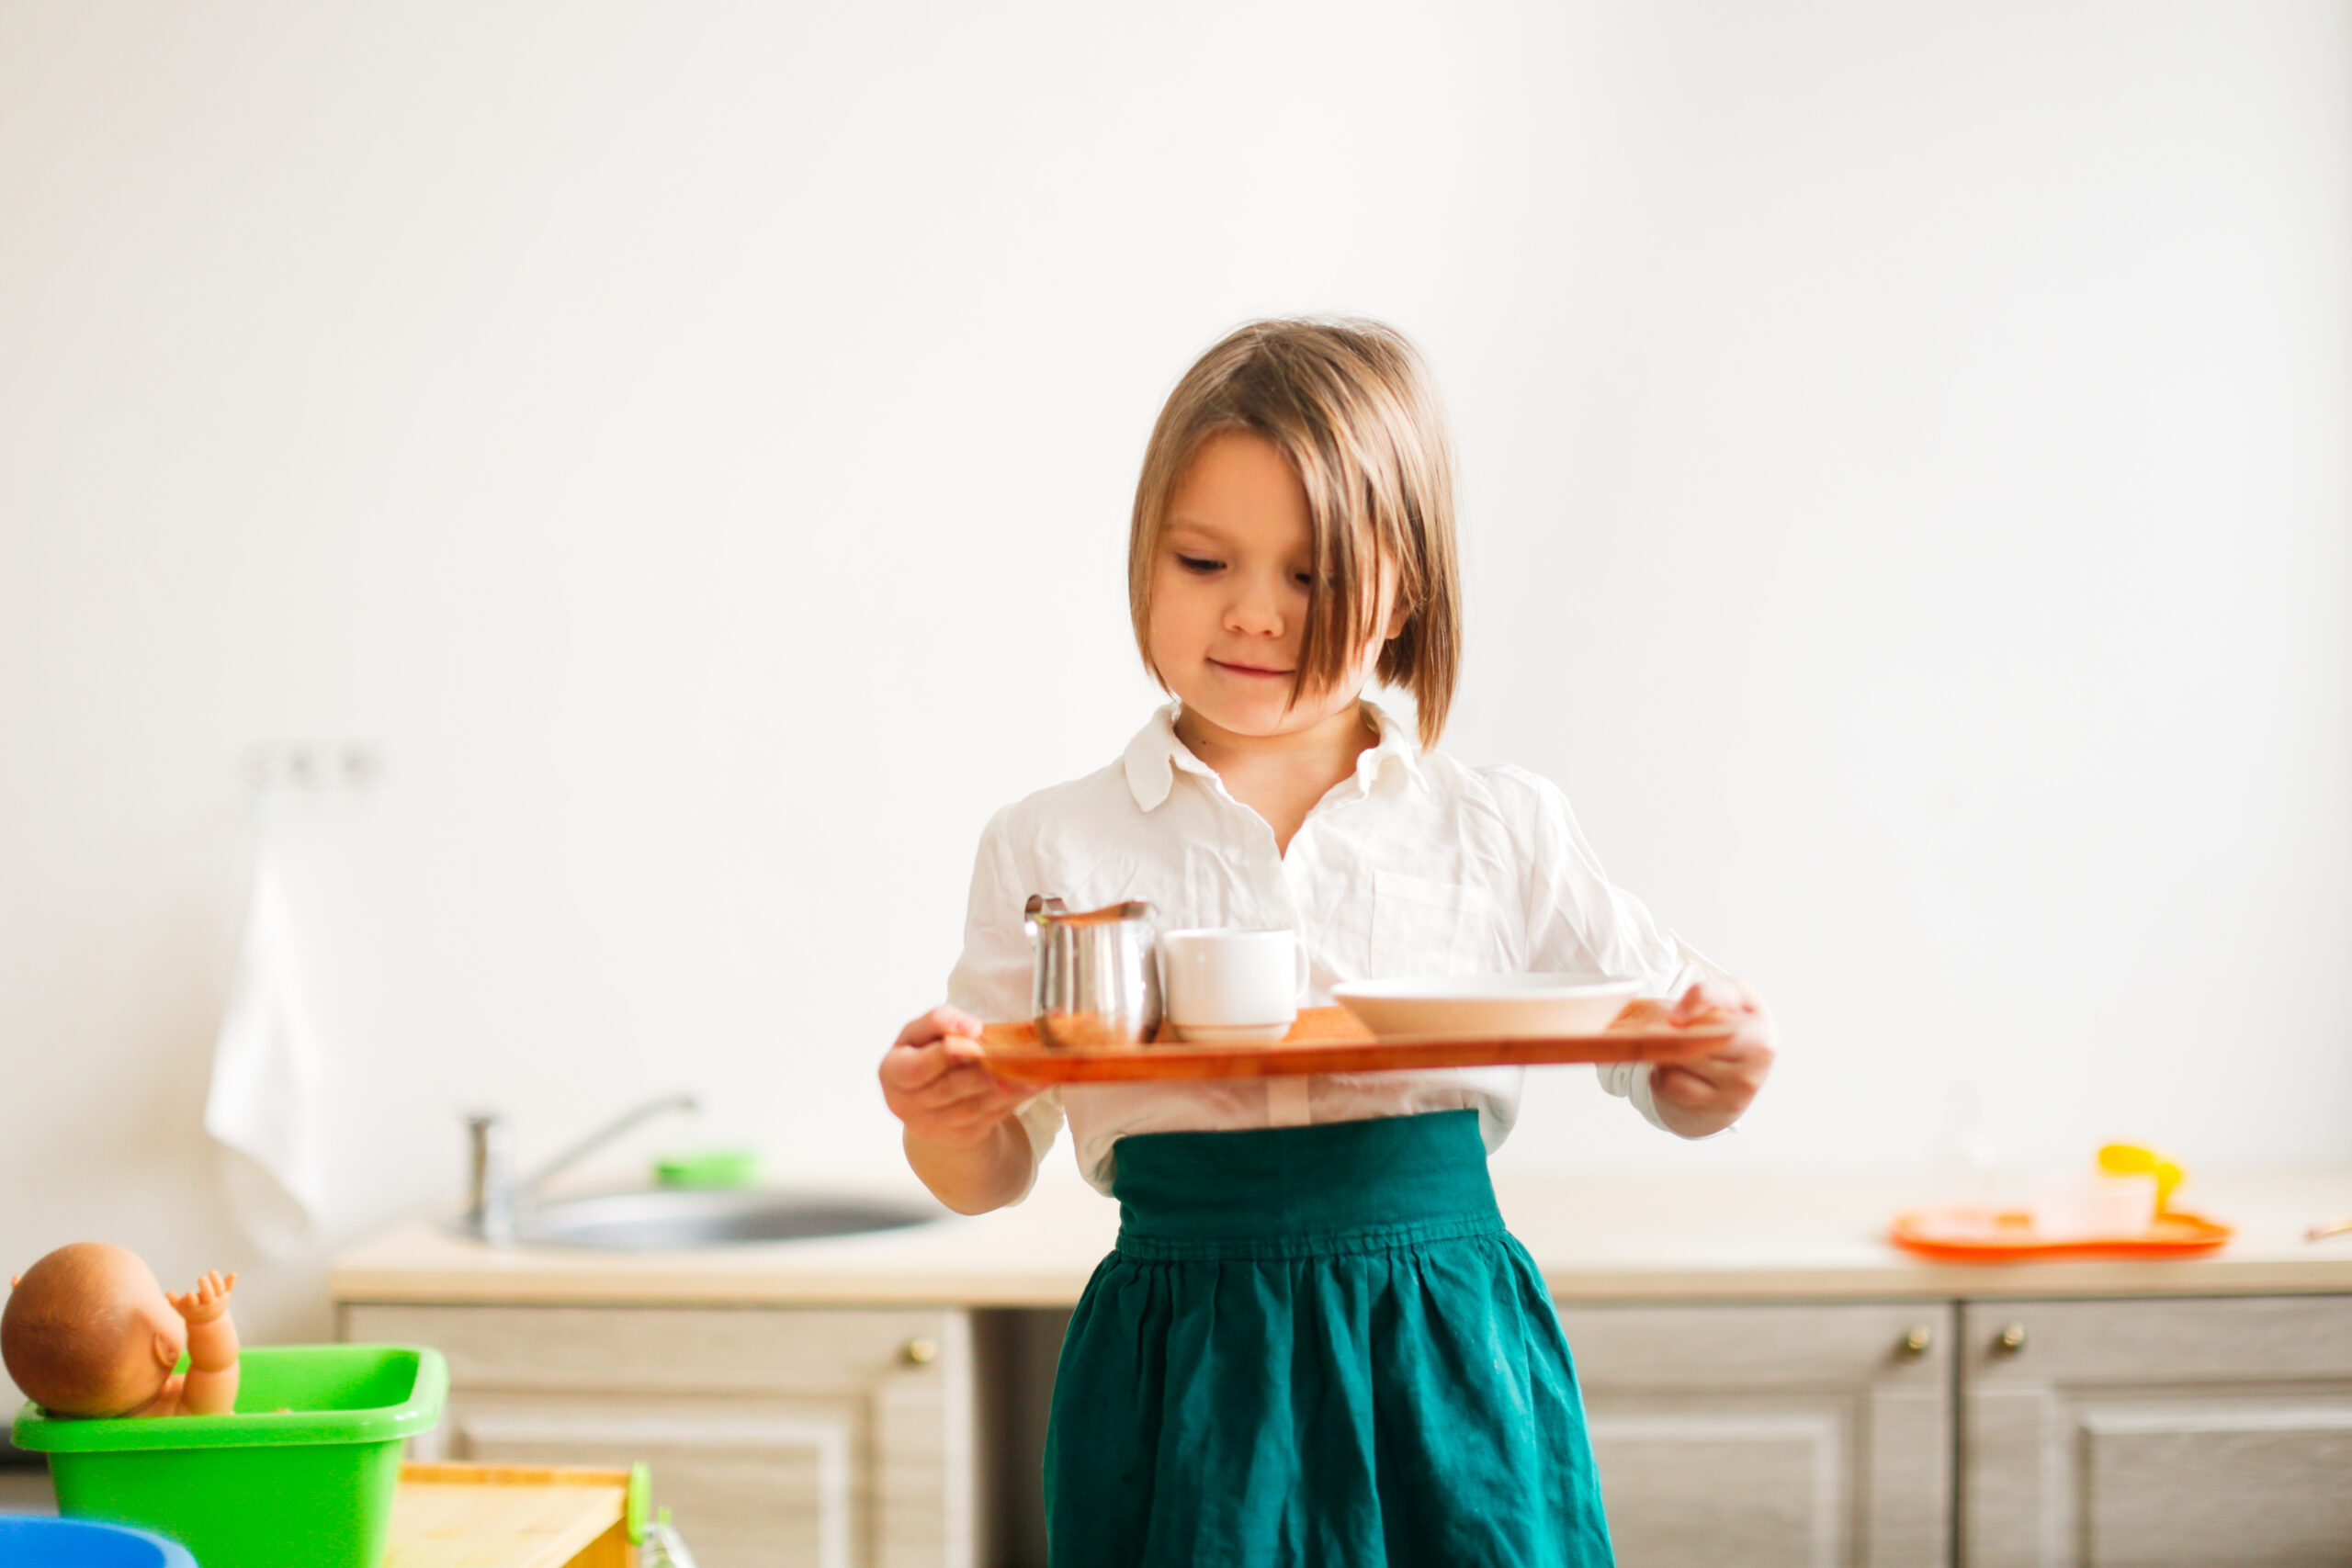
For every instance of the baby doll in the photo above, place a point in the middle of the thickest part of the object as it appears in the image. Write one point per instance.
(89, 1332)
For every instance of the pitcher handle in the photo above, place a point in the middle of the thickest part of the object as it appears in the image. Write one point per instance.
(1039, 904)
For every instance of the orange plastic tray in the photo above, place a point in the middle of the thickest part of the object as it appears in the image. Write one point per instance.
(1327, 1040)
(2007, 1236)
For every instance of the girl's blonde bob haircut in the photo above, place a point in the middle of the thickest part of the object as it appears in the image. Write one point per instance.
(1349, 405)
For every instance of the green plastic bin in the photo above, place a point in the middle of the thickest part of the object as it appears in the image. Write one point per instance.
(300, 1476)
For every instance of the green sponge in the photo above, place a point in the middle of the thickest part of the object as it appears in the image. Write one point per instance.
(708, 1168)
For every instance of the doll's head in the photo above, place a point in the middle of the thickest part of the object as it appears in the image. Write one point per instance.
(1332, 430)
(87, 1332)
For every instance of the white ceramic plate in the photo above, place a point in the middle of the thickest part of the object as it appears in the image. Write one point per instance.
(1487, 1007)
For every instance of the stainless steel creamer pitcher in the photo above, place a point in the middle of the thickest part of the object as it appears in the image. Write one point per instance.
(1095, 980)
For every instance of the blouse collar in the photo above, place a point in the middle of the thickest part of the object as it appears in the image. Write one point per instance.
(1155, 754)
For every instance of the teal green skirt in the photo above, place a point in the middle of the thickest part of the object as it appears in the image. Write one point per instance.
(1318, 1344)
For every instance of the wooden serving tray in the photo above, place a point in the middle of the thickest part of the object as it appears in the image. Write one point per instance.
(1327, 1040)
(479, 1515)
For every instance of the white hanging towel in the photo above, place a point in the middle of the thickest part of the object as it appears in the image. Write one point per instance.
(265, 1103)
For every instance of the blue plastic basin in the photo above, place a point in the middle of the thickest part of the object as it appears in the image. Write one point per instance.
(32, 1541)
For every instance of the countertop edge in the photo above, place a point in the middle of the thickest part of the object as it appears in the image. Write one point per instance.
(1594, 1240)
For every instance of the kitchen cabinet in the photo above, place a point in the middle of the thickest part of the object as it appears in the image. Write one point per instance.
(1759, 1435)
(1769, 1381)
(2097, 1433)
(2178, 1433)
(779, 1438)
(2170, 1433)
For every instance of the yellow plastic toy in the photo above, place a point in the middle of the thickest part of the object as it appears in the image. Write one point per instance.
(2138, 1159)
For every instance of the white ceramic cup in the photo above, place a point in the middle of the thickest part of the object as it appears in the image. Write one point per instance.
(1232, 986)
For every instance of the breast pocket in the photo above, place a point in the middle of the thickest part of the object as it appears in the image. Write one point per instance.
(1420, 927)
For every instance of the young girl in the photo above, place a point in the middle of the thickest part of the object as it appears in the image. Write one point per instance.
(1315, 1343)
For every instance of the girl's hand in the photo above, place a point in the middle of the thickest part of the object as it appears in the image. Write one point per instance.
(933, 1081)
(207, 1301)
(1707, 1095)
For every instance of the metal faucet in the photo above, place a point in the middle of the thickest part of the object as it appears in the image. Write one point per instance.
(494, 1198)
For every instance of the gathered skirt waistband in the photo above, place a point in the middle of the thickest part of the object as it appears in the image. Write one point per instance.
(1329, 1189)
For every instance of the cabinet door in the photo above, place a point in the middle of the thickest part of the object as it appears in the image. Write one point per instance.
(1770, 1435)
(2157, 1434)
(778, 1438)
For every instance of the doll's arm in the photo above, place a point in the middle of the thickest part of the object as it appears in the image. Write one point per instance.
(211, 1385)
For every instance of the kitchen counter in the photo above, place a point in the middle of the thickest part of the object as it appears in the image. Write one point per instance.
(1596, 1238)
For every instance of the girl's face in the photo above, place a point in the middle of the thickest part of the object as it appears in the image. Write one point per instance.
(1230, 593)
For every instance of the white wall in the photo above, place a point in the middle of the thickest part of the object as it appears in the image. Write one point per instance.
(1906, 485)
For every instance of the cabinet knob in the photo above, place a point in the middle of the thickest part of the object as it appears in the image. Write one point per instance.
(1917, 1343)
(920, 1352)
(2010, 1340)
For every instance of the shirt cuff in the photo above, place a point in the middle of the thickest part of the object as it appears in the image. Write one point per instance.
(1632, 1079)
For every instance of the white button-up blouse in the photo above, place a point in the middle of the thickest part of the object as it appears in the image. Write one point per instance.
(1416, 864)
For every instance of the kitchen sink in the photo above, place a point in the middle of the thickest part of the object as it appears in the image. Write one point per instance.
(683, 1219)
